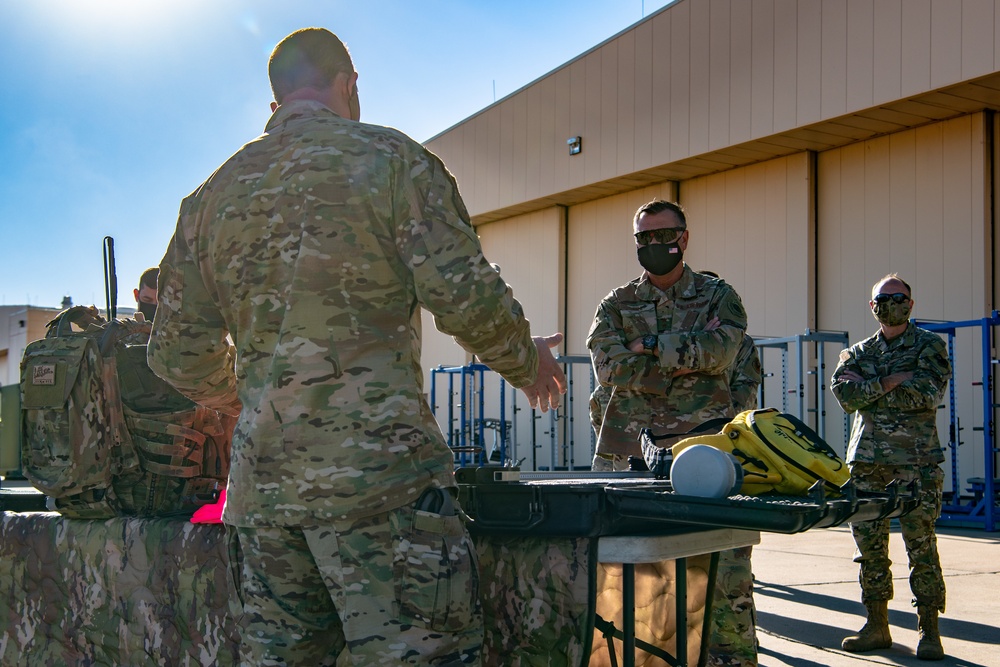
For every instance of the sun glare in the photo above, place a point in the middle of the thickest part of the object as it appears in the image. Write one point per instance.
(118, 21)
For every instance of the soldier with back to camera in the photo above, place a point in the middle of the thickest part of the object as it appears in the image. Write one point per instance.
(316, 246)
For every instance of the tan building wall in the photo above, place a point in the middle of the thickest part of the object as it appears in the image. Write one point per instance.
(704, 85)
(601, 255)
(19, 325)
(816, 145)
(530, 252)
(915, 203)
(802, 238)
(754, 227)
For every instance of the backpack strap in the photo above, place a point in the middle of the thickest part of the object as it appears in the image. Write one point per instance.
(166, 428)
(816, 443)
(184, 460)
(745, 458)
(127, 458)
(711, 426)
(81, 316)
(802, 432)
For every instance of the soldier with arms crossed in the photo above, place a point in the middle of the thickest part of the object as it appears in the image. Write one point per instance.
(894, 380)
(663, 348)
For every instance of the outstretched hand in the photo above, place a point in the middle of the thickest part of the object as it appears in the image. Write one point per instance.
(550, 384)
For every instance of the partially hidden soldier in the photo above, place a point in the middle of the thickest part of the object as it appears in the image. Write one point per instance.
(145, 294)
(315, 247)
(894, 381)
(663, 348)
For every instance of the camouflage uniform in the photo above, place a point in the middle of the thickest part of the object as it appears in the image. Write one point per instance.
(745, 376)
(314, 247)
(734, 614)
(643, 393)
(895, 437)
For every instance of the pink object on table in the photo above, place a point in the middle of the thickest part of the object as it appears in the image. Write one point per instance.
(210, 513)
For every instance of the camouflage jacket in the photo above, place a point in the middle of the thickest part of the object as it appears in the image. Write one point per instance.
(314, 247)
(898, 426)
(644, 390)
(745, 376)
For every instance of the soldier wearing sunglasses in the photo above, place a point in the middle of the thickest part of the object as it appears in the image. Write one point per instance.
(894, 380)
(662, 347)
(662, 344)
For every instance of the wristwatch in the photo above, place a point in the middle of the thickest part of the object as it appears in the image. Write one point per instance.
(649, 342)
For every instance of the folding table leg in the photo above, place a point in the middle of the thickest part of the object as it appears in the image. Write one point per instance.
(680, 626)
(706, 627)
(628, 614)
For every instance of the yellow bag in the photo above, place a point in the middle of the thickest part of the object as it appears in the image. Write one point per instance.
(777, 452)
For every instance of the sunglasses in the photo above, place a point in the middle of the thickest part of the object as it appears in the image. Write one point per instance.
(665, 235)
(898, 297)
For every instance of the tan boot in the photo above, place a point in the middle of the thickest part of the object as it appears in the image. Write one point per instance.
(929, 647)
(875, 634)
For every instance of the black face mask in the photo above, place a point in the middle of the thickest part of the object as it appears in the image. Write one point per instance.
(147, 310)
(659, 259)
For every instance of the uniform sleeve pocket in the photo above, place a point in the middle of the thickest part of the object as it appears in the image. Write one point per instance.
(638, 320)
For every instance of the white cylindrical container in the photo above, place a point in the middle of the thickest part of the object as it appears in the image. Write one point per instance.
(706, 472)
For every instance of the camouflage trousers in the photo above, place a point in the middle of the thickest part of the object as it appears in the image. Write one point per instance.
(917, 528)
(400, 588)
(734, 616)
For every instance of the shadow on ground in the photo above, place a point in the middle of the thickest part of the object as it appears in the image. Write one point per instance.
(827, 638)
(969, 631)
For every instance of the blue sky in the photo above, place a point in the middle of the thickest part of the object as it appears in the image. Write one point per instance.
(114, 110)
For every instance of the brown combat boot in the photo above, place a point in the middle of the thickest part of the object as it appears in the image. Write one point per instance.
(929, 647)
(875, 634)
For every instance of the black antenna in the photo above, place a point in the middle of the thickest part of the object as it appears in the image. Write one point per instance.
(110, 278)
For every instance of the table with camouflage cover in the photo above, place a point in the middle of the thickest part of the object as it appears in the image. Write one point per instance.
(114, 592)
(542, 595)
(155, 592)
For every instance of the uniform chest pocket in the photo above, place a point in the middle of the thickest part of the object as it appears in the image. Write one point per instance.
(870, 367)
(638, 319)
(901, 364)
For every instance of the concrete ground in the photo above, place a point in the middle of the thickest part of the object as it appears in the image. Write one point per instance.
(808, 599)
